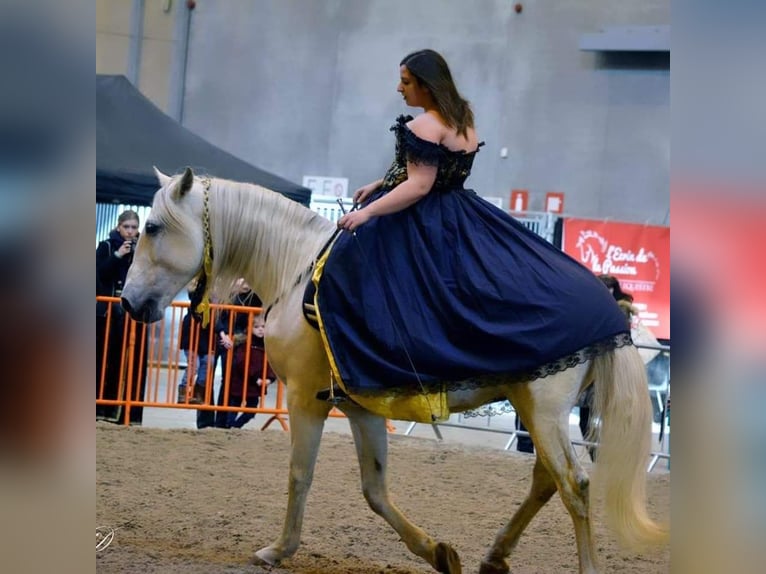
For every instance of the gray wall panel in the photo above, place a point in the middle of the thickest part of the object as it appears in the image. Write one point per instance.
(300, 87)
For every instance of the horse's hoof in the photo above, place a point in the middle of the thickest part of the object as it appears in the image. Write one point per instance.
(499, 567)
(266, 557)
(447, 560)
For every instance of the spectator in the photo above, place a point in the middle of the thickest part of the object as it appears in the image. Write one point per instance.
(523, 442)
(113, 258)
(244, 297)
(199, 350)
(247, 370)
(625, 301)
(657, 362)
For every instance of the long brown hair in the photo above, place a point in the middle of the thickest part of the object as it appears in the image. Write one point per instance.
(623, 298)
(614, 284)
(431, 70)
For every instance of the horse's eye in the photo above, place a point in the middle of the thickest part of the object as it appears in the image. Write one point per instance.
(151, 228)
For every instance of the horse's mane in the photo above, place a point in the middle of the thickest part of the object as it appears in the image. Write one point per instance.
(262, 236)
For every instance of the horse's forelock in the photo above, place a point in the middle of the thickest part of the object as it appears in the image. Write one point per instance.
(167, 211)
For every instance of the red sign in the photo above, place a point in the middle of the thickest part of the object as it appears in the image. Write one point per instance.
(554, 202)
(519, 200)
(637, 255)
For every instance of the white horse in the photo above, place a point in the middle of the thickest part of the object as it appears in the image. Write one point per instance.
(272, 242)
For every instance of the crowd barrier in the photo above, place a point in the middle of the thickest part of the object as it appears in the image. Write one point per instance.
(151, 364)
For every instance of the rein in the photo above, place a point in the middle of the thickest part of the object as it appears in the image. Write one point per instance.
(303, 275)
(308, 271)
(393, 323)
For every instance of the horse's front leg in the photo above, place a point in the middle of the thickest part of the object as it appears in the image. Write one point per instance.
(307, 417)
(371, 440)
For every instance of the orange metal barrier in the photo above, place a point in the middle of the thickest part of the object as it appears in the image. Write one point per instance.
(150, 365)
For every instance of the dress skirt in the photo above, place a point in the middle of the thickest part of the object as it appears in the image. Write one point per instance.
(451, 292)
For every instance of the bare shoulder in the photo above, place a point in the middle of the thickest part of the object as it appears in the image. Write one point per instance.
(427, 127)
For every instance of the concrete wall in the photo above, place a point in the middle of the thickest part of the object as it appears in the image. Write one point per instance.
(119, 24)
(299, 87)
(309, 88)
(112, 36)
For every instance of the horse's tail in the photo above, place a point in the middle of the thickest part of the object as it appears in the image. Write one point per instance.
(621, 401)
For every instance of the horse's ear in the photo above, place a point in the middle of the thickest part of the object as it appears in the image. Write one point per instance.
(184, 184)
(161, 177)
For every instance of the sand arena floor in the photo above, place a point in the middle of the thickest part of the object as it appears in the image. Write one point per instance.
(194, 502)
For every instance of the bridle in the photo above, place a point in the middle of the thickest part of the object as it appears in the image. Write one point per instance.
(200, 299)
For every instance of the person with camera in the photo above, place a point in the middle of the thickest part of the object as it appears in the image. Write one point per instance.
(113, 258)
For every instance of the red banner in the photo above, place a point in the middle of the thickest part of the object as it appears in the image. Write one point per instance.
(637, 255)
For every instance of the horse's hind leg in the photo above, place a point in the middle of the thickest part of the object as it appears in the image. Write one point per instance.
(544, 408)
(307, 416)
(371, 440)
(543, 487)
(557, 454)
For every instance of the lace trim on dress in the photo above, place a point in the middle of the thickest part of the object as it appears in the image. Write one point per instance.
(489, 380)
(414, 149)
(420, 151)
(453, 166)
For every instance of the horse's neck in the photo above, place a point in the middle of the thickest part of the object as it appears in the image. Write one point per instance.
(272, 241)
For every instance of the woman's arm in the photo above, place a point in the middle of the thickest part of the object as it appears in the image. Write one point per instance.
(106, 264)
(420, 179)
(222, 329)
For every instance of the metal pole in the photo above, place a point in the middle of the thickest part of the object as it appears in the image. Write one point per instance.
(136, 41)
(181, 29)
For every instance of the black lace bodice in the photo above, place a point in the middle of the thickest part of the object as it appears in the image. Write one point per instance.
(453, 166)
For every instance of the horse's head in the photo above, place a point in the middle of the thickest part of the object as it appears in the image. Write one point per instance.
(170, 251)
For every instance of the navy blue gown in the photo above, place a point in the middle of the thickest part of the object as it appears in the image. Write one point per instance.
(453, 292)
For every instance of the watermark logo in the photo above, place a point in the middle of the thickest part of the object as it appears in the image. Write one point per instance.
(104, 537)
(600, 256)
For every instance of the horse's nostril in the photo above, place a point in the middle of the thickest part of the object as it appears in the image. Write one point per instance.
(126, 305)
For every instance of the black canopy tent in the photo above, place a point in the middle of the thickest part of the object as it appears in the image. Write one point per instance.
(133, 135)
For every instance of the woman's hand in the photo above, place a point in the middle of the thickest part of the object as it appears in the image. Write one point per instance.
(124, 249)
(354, 219)
(361, 194)
(226, 341)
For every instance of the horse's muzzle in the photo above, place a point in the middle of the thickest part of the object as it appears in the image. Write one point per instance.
(147, 312)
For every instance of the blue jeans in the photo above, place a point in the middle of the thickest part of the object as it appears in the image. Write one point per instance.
(201, 369)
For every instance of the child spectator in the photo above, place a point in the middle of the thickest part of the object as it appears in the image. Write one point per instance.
(246, 380)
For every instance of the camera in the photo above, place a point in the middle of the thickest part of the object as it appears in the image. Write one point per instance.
(133, 245)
